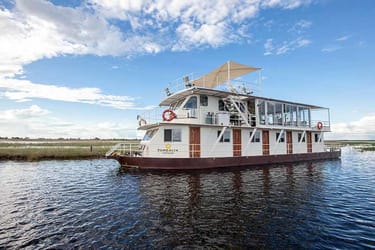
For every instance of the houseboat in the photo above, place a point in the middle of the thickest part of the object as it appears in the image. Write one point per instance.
(212, 121)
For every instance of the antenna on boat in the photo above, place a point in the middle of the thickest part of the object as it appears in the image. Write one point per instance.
(260, 82)
(229, 85)
(167, 91)
(187, 82)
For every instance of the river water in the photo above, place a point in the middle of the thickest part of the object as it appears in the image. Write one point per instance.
(93, 204)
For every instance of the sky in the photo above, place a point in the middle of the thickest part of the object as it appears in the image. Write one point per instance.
(85, 69)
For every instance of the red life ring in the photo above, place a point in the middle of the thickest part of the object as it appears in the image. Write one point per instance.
(319, 125)
(168, 115)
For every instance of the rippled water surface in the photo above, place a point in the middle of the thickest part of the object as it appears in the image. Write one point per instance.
(92, 204)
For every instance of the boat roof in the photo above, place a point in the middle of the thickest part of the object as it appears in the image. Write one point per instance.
(196, 90)
(226, 72)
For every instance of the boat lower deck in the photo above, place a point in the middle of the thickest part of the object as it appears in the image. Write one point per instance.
(218, 162)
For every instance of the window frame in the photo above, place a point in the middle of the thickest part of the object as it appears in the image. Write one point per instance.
(175, 134)
(226, 136)
(300, 138)
(203, 100)
(282, 138)
(150, 134)
(256, 138)
(316, 138)
(188, 102)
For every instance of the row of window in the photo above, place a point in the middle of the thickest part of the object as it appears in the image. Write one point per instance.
(174, 135)
(192, 103)
(275, 113)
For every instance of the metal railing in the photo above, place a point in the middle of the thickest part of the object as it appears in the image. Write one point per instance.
(235, 86)
(125, 148)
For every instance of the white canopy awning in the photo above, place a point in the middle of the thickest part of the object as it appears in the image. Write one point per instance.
(224, 73)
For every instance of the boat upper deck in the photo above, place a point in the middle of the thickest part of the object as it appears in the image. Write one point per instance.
(201, 102)
(194, 90)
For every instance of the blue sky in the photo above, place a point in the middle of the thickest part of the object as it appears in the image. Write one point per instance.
(87, 68)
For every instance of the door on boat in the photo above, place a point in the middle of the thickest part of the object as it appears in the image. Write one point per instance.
(236, 142)
(309, 145)
(195, 142)
(289, 142)
(266, 142)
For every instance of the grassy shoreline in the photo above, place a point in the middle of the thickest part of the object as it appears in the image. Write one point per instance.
(74, 149)
(361, 145)
(37, 150)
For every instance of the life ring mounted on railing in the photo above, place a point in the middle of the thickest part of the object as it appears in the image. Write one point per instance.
(141, 121)
(168, 115)
(319, 125)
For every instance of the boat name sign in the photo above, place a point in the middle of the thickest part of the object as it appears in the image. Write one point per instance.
(167, 149)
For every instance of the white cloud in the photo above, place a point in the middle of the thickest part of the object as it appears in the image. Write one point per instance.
(287, 4)
(32, 111)
(331, 48)
(37, 29)
(363, 129)
(36, 122)
(300, 27)
(269, 47)
(273, 48)
(343, 38)
(24, 90)
(287, 46)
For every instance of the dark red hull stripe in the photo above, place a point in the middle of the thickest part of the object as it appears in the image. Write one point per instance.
(217, 162)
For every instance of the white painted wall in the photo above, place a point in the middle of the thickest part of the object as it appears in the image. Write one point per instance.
(276, 148)
(208, 139)
(223, 149)
(177, 149)
(299, 148)
(317, 146)
(251, 148)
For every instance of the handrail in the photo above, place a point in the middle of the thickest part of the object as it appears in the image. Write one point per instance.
(124, 148)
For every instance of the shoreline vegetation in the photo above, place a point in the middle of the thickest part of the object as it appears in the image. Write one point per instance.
(24, 149)
(56, 149)
(361, 145)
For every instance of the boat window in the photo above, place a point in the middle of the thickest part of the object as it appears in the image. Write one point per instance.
(256, 137)
(300, 138)
(176, 105)
(303, 116)
(203, 100)
(222, 106)
(316, 137)
(282, 138)
(172, 135)
(262, 112)
(270, 113)
(278, 114)
(225, 137)
(149, 134)
(290, 115)
(191, 103)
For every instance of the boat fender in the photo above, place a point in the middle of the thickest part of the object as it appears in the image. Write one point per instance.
(319, 125)
(168, 115)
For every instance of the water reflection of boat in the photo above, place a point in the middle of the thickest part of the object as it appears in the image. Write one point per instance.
(203, 126)
(231, 206)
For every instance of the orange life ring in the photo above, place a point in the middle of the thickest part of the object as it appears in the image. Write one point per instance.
(168, 115)
(319, 125)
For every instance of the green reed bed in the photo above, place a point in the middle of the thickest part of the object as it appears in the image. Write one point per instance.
(55, 149)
